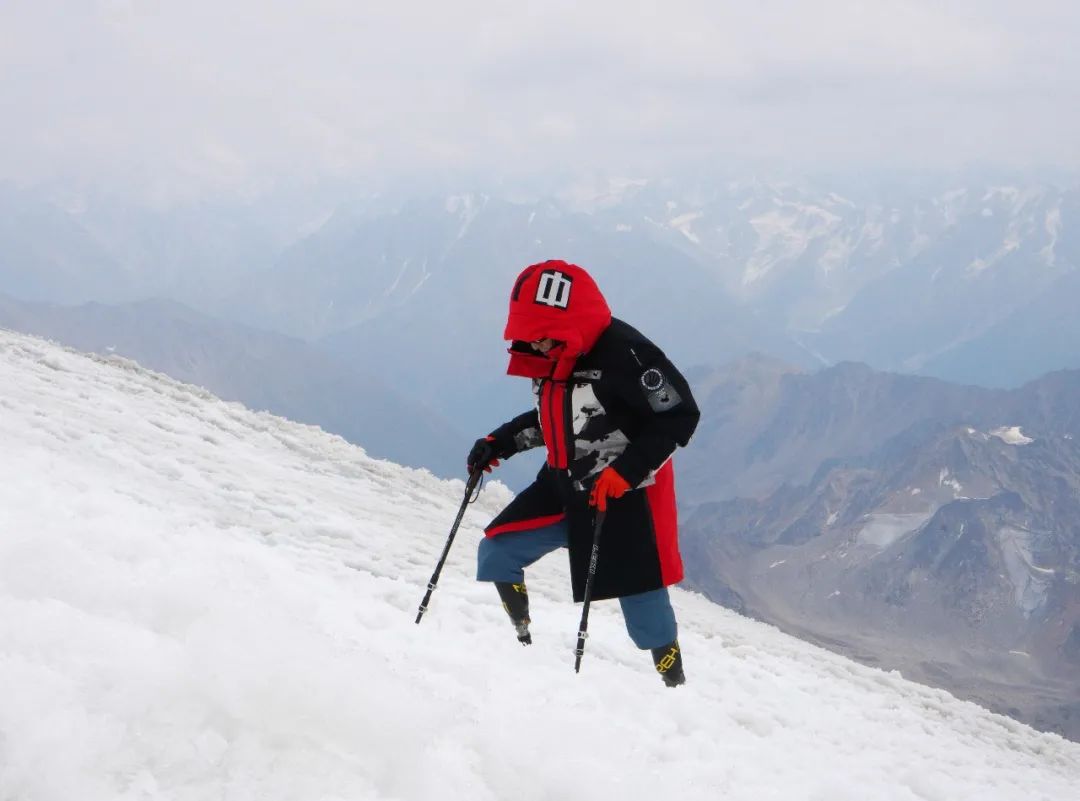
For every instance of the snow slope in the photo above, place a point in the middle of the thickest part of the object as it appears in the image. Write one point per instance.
(200, 602)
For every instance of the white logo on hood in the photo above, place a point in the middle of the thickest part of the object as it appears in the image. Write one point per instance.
(554, 289)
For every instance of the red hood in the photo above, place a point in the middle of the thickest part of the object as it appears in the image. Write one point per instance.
(557, 300)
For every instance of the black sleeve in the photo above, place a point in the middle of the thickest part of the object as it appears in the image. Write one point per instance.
(520, 434)
(660, 396)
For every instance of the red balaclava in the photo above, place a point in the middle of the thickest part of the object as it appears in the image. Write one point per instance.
(554, 300)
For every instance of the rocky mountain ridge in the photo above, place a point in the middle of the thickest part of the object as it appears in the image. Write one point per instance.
(943, 541)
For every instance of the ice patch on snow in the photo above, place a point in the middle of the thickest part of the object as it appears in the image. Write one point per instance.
(784, 233)
(1010, 245)
(1011, 435)
(467, 207)
(1031, 584)
(945, 480)
(683, 224)
(883, 529)
(591, 195)
(397, 280)
(836, 255)
(424, 276)
(1053, 228)
(948, 203)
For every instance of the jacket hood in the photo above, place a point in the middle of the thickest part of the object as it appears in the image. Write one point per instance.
(554, 300)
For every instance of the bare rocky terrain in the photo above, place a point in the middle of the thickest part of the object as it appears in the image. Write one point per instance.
(913, 524)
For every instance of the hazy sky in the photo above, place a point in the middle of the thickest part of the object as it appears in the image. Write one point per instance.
(199, 95)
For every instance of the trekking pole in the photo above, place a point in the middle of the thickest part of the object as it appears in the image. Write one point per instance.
(583, 628)
(474, 479)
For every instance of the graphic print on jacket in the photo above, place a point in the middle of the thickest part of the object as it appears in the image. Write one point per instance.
(606, 397)
(596, 440)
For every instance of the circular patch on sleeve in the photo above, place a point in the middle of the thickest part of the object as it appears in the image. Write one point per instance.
(653, 380)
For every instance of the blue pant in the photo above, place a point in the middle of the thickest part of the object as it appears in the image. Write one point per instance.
(650, 620)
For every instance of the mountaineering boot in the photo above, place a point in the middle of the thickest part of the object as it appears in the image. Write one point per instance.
(515, 600)
(668, 662)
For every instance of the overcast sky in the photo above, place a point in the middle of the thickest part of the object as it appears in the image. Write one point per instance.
(205, 95)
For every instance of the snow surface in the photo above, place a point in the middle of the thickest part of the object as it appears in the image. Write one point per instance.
(883, 529)
(201, 602)
(784, 234)
(945, 479)
(1031, 584)
(684, 225)
(1011, 435)
(1053, 229)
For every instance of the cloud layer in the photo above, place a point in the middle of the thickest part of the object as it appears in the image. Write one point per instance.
(207, 94)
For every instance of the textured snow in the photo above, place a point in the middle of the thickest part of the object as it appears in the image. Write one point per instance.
(1011, 435)
(1031, 584)
(837, 255)
(784, 233)
(948, 202)
(1052, 226)
(201, 602)
(590, 195)
(684, 225)
(945, 479)
(397, 280)
(1011, 244)
(466, 207)
(839, 249)
(882, 530)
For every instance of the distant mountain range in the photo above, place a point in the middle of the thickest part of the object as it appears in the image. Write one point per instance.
(264, 371)
(78, 247)
(913, 279)
(894, 274)
(970, 279)
(1038, 338)
(997, 251)
(46, 255)
(918, 525)
(439, 329)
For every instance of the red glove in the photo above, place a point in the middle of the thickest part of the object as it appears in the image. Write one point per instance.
(609, 484)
